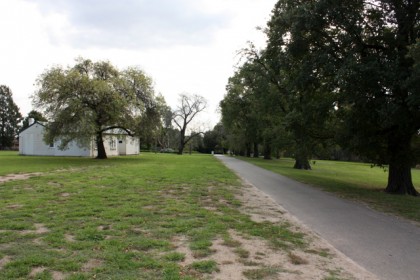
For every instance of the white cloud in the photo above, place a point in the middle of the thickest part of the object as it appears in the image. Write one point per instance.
(185, 45)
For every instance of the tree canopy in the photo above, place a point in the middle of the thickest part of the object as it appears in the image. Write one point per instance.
(89, 98)
(344, 72)
(10, 118)
(35, 115)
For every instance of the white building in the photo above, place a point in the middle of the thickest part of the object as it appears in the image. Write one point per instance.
(31, 142)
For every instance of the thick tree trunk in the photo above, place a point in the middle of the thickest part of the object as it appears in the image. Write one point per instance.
(399, 176)
(302, 163)
(302, 159)
(399, 180)
(267, 150)
(256, 152)
(248, 149)
(181, 148)
(100, 146)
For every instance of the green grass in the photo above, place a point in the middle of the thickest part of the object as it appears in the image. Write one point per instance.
(118, 218)
(356, 181)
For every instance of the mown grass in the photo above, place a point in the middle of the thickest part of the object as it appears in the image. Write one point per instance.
(118, 218)
(357, 181)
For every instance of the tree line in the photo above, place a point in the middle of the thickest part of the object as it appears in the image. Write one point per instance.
(333, 74)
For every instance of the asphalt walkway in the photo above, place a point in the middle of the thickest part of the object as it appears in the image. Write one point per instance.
(385, 245)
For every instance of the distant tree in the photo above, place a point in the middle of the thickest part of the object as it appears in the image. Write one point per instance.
(215, 140)
(152, 124)
(10, 118)
(90, 98)
(37, 116)
(190, 106)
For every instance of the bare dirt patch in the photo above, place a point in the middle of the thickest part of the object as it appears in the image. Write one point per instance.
(320, 260)
(247, 257)
(69, 238)
(36, 270)
(57, 275)
(5, 260)
(23, 176)
(39, 229)
(91, 264)
(181, 245)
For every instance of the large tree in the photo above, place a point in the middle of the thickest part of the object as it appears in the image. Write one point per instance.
(10, 118)
(188, 108)
(84, 101)
(359, 51)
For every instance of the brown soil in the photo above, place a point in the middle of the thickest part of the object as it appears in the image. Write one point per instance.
(256, 258)
(11, 177)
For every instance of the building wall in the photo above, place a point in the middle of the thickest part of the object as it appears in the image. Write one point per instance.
(128, 145)
(132, 145)
(31, 142)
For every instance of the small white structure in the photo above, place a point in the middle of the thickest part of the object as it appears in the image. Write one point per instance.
(31, 142)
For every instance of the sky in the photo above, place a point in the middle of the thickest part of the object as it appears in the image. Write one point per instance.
(186, 46)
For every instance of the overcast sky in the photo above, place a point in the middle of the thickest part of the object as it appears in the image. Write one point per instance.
(184, 45)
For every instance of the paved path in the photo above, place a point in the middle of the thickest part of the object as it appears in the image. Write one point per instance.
(384, 245)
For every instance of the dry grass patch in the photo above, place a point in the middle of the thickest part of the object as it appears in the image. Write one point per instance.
(24, 176)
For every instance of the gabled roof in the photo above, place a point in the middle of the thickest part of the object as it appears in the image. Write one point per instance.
(35, 122)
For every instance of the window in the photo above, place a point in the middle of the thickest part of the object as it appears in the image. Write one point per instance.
(113, 144)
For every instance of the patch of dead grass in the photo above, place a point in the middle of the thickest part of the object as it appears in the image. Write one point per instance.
(39, 229)
(5, 260)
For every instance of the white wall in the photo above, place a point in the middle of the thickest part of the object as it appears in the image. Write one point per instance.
(31, 143)
(132, 145)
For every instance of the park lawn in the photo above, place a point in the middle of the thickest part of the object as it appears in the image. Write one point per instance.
(120, 218)
(356, 181)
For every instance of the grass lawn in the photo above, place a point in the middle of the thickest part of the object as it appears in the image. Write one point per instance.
(351, 180)
(120, 218)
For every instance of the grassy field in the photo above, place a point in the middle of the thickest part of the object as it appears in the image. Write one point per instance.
(351, 180)
(119, 218)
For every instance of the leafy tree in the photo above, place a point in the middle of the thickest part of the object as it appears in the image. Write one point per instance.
(37, 116)
(90, 98)
(363, 53)
(10, 118)
(214, 140)
(152, 124)
(190, 106)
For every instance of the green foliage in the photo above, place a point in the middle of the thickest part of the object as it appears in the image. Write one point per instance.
(35, 115)
(346, 71)
(89, 98)
(9, 118)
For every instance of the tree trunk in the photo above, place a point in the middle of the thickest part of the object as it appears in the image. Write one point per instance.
(302, 159)
(181, 142)
(180, 149)
(248, 149)
(399, 176)
(256, 152)
(302, 163)
(100, 146)
(399, 180)
(267, 150)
